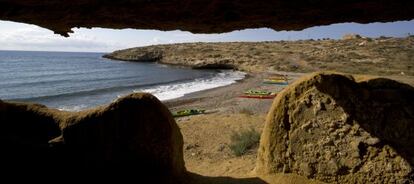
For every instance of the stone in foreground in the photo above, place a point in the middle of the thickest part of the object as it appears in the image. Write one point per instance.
(132, 138)
(332, 128)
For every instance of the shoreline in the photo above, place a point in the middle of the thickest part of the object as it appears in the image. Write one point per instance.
(197, 94)
(225, 99)
(207, 137)
(170, 91)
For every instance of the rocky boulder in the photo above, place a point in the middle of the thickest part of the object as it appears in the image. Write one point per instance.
(134, 138)
(333, 128)
(24, 135)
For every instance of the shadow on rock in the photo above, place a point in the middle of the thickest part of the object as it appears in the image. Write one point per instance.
(382, 107)
(135, 137)
(332, 128)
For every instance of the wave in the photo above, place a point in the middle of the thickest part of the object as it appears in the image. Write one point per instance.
(172, 91)
(74, 108)
(94, 91)
(81, 100)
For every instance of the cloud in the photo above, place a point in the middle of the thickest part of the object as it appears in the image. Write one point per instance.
(17, 36)
(156, 39)
(30, 37)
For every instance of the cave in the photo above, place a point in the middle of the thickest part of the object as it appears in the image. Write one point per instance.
(105, 140)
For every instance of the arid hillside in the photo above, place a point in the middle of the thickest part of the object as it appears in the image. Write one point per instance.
(379, 56)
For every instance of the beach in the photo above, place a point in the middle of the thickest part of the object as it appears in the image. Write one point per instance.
(225, 100)
(207, 136)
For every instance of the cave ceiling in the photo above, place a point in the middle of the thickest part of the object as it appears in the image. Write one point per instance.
(201, 16)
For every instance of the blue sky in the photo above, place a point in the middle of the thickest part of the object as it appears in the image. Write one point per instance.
(18, 36)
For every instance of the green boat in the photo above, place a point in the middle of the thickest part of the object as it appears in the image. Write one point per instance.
(257, 92)
(188, 112)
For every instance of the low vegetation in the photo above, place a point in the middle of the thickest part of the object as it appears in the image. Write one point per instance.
(357, 55)
(242, 142)
(246, 111)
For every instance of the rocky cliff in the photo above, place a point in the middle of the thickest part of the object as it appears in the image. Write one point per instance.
(132, 139)
(333, 128)
(380, 56)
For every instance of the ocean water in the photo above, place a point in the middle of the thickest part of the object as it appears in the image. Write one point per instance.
(76, 81)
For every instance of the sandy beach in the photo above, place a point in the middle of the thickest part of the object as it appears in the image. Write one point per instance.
(207, 136)
(225, 100)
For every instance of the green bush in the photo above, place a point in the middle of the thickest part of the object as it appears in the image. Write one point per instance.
(246, 112)
(244, 141)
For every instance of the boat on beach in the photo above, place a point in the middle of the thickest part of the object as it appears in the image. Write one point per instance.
(273, 81)
(271, 96)
(188, 112)
(257, 92)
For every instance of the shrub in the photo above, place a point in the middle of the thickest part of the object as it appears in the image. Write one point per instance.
(246, 111)
(244, 141)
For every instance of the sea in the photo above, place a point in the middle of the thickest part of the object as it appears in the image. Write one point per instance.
(73, 81)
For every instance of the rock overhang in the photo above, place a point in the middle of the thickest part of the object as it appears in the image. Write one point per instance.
(201, 16)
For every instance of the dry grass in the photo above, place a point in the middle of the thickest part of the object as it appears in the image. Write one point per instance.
(242, 142)
(246, 111)
(207, 139)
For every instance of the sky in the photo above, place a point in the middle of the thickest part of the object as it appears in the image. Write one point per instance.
(19, 36)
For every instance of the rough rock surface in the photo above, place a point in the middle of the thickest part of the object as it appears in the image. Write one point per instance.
(332, 128)
(201, 16)
(132, 138)
(147, 55)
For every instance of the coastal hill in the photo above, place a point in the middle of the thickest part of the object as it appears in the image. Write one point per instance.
(352, 54)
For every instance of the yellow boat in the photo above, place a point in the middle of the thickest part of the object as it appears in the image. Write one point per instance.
(271, 81)
(278, 77)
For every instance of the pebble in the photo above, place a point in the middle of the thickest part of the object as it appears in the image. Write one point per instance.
(221, 147)
(372, 141)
